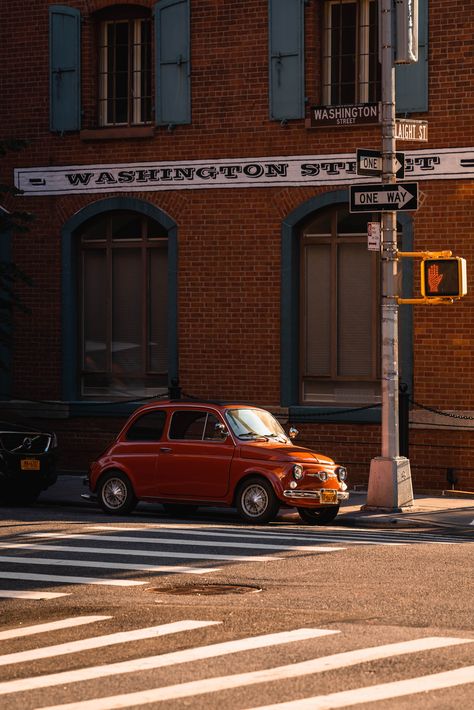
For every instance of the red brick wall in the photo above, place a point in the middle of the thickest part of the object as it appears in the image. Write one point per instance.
(229, 239)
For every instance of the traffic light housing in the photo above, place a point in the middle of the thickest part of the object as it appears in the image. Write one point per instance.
(443, 278)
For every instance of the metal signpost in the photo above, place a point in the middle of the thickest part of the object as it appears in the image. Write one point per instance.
(390, 486)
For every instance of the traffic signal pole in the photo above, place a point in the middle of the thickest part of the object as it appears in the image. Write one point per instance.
(390, 486)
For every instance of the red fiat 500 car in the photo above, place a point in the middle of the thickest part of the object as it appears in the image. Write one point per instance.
(186, 454)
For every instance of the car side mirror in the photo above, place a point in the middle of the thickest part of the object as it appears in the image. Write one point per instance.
(293, 433)
(220, 430)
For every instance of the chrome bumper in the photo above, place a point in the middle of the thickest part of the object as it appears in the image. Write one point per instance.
(314, 495)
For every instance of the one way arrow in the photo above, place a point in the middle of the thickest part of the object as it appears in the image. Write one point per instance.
(384, 198)
(397, 197)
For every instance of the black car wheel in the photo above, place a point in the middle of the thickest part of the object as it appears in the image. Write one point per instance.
(115, 493)
(318, 516)
(181, 510)
(256, 501)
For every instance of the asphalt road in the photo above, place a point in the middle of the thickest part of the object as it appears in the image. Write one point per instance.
(151, 611)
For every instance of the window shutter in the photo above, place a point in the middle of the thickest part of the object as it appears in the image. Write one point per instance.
(173, 67)
(286, 61)
(65, 68)
(411, 80)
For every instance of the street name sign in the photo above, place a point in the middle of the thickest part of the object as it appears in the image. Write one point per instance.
(394, 197)
(369, 163)
(407, 129)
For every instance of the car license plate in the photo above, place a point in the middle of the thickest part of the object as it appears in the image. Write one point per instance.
(30, 465)
(328, 496)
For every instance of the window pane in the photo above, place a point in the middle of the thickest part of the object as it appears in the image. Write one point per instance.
(126, 225)
(188, 425)
(355, 298)
(94, 299)
(95, 229)
(318, 309)
(158, 309)
(126, 312)
(148, 427)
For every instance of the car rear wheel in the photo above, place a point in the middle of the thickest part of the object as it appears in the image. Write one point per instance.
(256, 501)
(115, 494)
(318, 516)
(179, 509)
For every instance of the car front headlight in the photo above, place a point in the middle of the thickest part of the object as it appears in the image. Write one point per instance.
(341, 473)
(297, 472)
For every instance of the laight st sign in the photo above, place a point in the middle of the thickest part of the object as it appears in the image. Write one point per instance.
(396, 197)
(410, 130)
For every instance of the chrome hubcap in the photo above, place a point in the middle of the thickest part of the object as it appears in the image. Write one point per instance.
(115, 493)
(255, 500)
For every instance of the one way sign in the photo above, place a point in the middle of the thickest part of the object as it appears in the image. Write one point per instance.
(396, 197)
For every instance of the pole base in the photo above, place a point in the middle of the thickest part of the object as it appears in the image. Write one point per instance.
(390, 488)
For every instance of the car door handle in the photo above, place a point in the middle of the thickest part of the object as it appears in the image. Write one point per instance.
(165, 450)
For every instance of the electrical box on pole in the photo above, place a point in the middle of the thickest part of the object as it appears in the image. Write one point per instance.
(406, 22)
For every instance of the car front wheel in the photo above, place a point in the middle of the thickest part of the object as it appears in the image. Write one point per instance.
(256, 501)
(318, 516)
(115, 494)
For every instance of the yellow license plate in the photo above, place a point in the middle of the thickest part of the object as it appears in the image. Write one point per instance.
(328, 497)
(30, 465)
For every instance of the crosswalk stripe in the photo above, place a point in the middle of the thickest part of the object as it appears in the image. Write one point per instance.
(102, 641)
(105, 565)
(193, 543)
(274, 536)
(295, 670)
(383, 691)
(167, 659)
(23, 594)
(50, 626)
(32, 577)
(147, 553)
(360, 536)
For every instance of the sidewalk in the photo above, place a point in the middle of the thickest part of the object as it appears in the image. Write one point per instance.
(452, 509)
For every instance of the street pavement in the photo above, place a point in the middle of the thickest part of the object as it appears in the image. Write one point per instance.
(448, 509)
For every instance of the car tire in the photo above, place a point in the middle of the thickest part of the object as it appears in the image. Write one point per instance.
(256, 501)
(115, 494)
(318, 516)
(181, 510)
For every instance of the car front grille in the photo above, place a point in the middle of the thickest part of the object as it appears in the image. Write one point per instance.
(25, 442)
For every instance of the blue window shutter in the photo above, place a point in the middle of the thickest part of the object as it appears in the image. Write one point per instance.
(65, 68)
(286, 60)
(411, 80)
(173, 66)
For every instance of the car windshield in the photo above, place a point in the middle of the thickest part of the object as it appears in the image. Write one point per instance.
(255, 424)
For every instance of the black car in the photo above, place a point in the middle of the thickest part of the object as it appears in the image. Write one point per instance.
(27, 463)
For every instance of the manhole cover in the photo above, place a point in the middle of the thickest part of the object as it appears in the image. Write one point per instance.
(202, 589)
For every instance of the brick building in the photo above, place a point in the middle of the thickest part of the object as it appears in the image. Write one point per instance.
(192, 224)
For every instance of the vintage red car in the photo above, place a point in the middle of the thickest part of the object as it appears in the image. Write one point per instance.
(186, 454)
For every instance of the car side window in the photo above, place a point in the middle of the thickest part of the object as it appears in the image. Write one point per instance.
(211, 433)
(148, 427)
(188, 425)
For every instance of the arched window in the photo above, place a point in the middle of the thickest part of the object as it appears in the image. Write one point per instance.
(122, 305)
(340, 294)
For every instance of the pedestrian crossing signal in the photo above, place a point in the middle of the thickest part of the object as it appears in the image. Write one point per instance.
(443, 278)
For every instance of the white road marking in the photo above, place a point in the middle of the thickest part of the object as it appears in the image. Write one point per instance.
(193, 543)
(274, 536)
(32, 577)
(12, 594)
(101, 641)
(355, 536)
(384, 691)
(50, 626)
(167, 659)
(295, 670)
(105, 565)
(142, 553)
